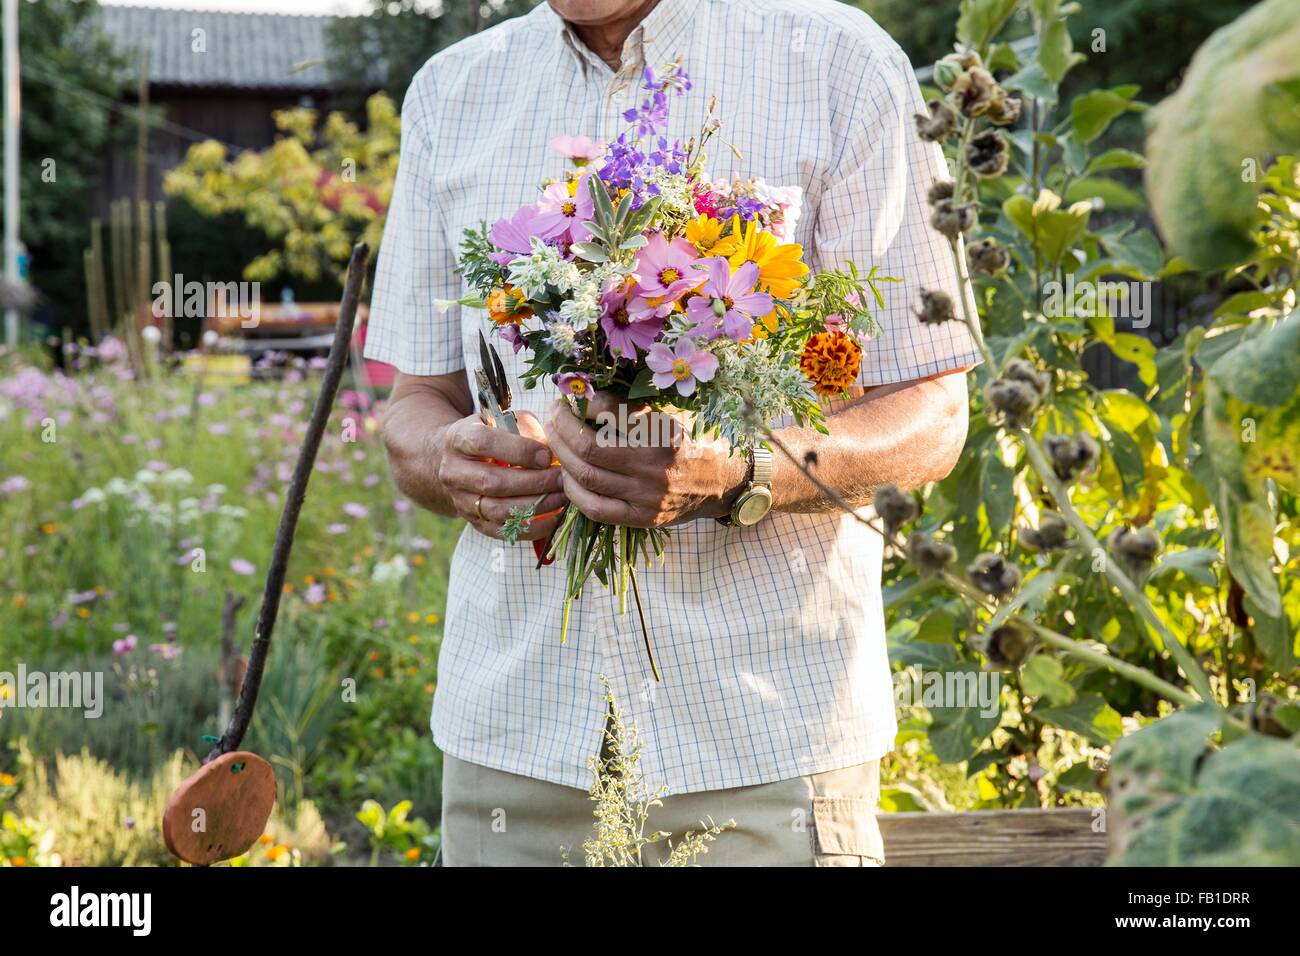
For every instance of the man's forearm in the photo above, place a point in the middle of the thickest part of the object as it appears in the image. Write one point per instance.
(906, 435)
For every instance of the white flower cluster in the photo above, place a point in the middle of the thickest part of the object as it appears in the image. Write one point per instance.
(783, 205)
(773, 384)
(676, 195)
(138, 496)
(531, 274)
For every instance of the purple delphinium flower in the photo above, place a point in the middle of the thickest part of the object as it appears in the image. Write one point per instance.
(684, 366)
(625, 333)
(727, 303)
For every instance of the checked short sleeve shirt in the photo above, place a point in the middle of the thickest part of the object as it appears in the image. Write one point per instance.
(770, 639)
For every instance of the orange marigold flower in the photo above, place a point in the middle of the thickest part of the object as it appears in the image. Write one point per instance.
(413, 854)
(18, 860)
(831, 360)
(7, 780)
(506, 306)
(276, 852)
(265, 839)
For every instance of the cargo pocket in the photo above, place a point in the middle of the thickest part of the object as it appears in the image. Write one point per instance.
(846, 833)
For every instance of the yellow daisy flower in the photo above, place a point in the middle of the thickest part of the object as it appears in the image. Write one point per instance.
(780, 264)
(703, 234)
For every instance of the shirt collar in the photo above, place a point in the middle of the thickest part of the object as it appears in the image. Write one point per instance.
(654, 41)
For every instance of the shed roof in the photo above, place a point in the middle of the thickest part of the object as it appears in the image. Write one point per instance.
(234, 50)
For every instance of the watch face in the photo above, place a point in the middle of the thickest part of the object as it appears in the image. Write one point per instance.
(752, 506)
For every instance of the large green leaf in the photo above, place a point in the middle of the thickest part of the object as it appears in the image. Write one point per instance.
(1043, 221)
(1239, 101)
(980, 20)
(1089, 716)
(1092, 113)
(956, 733)
(1178, 807)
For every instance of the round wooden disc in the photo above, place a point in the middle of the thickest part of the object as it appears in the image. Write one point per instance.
(220, 810)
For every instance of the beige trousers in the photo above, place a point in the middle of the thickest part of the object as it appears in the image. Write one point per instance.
(493, 818)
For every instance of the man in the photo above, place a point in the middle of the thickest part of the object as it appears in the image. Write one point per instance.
(775, 704)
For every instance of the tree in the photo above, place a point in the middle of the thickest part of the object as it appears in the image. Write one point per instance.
(384, 49)
(71, 77)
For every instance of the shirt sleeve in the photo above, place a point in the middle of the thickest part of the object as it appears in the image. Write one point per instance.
(874, 211)
(417, 260)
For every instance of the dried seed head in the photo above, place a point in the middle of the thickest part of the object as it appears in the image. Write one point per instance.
(1021, 370)
(1136, 547)
(1004, 110)
(946, 72)
(966, 58)
(1071, 455)
(940, 191)
(929, 556)
(1007, 645)
(1051, 534)
(952, 219)
(936, 306)
(938, 124)
(894, 507)
(988, 256)
(987, 155)
(973, 92)
(1013, 402)
(993, 575)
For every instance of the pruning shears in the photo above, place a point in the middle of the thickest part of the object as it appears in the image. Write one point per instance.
(494, 403)
(493, 389)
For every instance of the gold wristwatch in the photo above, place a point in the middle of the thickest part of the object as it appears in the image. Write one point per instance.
(755, 499)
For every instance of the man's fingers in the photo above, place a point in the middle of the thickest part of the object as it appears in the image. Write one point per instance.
(493, 481)
(497, 510)
(602, 509)
(476, 440)
(593, 477)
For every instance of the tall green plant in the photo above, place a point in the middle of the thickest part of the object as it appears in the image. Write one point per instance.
(1094, 554)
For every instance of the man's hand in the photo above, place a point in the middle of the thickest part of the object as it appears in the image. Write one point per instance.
(663, 479)
(466, 475)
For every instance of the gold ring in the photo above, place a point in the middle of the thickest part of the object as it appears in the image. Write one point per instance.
(478, 509)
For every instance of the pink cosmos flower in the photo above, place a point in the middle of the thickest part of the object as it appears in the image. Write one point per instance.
(561, 216)
(580, 149)
(514, 235)
(354, 510)
(684, 366)
(626, 332)
(240, 566)
(727, 303)
(663, 268)
(577, 384)
(125, 645)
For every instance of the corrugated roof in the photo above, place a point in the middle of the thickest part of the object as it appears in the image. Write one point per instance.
(240, 50)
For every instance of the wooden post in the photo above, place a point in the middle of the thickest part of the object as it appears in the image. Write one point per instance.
(1074, 836)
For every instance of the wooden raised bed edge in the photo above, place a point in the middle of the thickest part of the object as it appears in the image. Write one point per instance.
(1062, 837)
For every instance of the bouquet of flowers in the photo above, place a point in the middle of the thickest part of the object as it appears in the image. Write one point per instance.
(636, 273)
